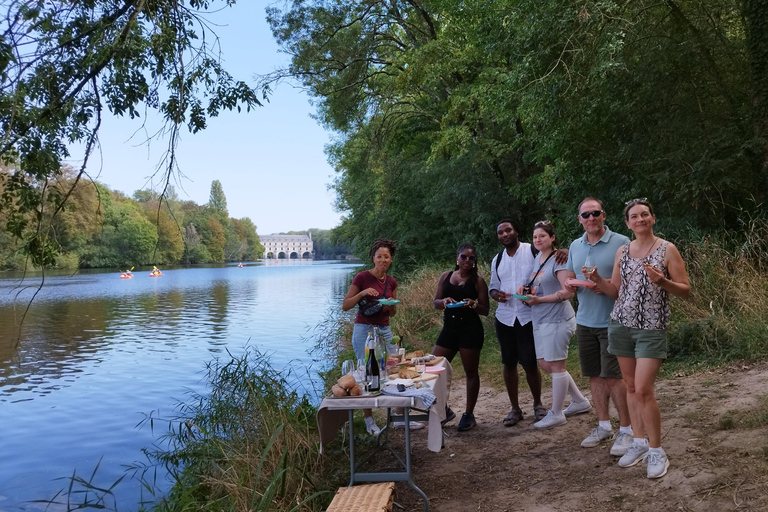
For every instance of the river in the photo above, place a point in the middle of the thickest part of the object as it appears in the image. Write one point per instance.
(98, 353)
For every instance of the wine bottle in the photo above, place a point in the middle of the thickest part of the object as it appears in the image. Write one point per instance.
(372, 367)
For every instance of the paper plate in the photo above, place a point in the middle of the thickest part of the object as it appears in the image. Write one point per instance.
(389, 302)
(456, 304)
(521, 297)
(435, 369)
(579, 282)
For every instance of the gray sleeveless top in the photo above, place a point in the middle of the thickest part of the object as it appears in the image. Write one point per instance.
(642, 304)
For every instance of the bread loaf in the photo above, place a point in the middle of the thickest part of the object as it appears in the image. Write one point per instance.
(338, 390)
(355, 391)
(415, 353)
(346, 382)
(405, 373)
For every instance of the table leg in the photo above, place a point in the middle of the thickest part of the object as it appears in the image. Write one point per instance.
(351, 448)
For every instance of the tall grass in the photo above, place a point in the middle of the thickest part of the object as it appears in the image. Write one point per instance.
(249, 444)
(725, 317)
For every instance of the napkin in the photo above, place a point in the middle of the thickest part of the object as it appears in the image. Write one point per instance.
(426, 394)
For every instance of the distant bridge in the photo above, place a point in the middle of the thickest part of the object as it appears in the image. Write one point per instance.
(279, 247)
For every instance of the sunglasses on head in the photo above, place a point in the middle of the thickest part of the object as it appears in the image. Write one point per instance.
(594, 213)
(636, 200)
(470, 257)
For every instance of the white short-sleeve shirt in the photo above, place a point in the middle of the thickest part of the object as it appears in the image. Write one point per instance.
(513, 272)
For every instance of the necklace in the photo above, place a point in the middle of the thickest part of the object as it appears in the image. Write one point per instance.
(381, 279)
(649, 249)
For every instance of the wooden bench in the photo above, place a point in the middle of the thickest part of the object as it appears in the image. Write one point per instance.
(364, 498)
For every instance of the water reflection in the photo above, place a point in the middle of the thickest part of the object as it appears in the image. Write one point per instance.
(96, 352)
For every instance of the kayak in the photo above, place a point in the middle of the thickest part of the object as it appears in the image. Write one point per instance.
(126, 277)
(156, 275)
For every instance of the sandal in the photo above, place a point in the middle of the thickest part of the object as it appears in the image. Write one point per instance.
(513, 417)
(539, 412)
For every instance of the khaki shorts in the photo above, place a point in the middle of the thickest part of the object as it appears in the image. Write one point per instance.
(552, 339)
(629, 342)
(593, 353)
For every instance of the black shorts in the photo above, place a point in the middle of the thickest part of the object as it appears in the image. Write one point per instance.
(516, 344)
(461, 333)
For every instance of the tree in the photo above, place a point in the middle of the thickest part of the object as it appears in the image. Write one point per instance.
(65, 64)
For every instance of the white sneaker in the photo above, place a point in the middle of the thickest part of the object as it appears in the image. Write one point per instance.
(415, 425)
(598, 435)
(621, 444)
(371, 426)
(658, 464)
(550, 421)
(635, 453)
(577, 408)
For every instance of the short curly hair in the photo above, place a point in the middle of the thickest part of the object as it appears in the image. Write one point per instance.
(383, 242)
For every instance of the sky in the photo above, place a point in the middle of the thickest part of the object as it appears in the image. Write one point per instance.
(270, 162)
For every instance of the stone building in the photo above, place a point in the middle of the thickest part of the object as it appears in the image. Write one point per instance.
(287, 246)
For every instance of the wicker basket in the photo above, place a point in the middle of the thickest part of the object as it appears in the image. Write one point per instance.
(364, 498)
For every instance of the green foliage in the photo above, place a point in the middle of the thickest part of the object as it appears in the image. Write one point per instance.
(451, 115)
(64, 64)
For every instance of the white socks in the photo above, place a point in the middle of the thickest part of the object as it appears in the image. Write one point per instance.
(574, 390)
(559, 390)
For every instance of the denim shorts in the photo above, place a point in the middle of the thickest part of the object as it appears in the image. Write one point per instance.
(629, 342)
(360, 333)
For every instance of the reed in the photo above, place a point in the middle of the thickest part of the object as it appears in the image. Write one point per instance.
(248, 444)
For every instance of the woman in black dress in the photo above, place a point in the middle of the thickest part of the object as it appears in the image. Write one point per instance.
(462, 329)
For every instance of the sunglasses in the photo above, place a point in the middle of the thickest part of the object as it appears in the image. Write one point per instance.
(541, 223)
(470, 257)
(636, 200)
(595, 213)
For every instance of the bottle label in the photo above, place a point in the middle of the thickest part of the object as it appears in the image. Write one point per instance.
(374, 382)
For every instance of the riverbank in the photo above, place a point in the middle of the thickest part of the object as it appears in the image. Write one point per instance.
(713, 416)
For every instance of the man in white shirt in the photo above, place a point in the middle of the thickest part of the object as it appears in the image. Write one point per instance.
(514, 328)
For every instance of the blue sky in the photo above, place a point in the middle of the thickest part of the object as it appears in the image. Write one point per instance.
(270, 161)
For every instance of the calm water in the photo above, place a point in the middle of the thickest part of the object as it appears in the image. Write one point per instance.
(98, 352)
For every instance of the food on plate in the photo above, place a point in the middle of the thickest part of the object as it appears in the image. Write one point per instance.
(338, 390)
(407, 373)
(415, 353)
(346, 382)
(355, 391)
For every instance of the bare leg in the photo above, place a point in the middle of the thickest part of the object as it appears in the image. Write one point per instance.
(600, 394)
(533, 376)
(470, 359)
(646, 370)
(511, 383)
(635, 410)
(618, 391)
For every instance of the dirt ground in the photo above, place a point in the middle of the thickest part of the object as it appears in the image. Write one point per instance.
(715, 432)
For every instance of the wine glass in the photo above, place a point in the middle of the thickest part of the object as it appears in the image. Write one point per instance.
(421, 367)
(347, 367)
(362, 376)
(589, 266)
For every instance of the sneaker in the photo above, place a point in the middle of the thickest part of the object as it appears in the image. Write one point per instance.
(635, 453)
(577, 408)
(550, 421)
(449, 416)
(466, 422)
(414, 425)
(597, 436)
(658, 463)
(621, 444)
(371, 426)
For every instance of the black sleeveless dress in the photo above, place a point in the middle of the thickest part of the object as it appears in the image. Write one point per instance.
(462, 327)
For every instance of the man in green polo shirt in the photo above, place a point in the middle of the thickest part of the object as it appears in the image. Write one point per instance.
(599, 244)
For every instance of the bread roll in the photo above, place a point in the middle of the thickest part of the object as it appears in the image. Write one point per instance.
(338, 390)
(405, 373)
(415, 353)
(355, 391)
(346, 382)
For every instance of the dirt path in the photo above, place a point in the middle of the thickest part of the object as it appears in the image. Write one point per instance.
(715, 428)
